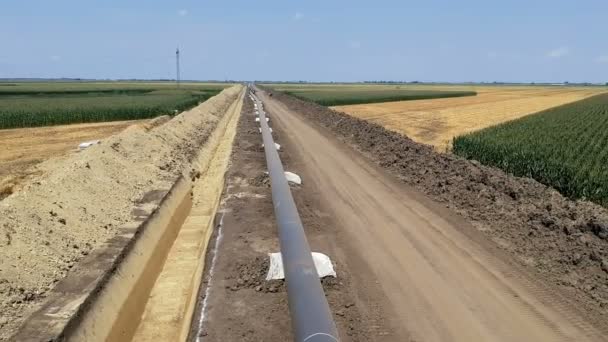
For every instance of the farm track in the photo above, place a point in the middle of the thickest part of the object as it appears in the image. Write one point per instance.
(240, 305)
(443, 279)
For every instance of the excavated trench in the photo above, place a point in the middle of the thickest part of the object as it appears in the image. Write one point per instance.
(142, 284)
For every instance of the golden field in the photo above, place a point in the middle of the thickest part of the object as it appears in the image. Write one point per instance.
(437, 121)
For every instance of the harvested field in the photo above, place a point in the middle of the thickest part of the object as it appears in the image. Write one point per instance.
(24, 148)
(81, 200)
(562, 242)
(436, 122)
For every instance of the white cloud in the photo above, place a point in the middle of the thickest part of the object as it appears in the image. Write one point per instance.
(559, 52)
(354, 44)
(55, 58)
(602, 59)
(182, 12)
(298, 16)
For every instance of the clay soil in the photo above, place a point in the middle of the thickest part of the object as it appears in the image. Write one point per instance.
(23, 148)
(436, 122)
(560, 244)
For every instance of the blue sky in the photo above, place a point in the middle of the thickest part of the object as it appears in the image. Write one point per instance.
(430, 40)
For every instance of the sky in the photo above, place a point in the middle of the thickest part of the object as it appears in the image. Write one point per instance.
(313, 40)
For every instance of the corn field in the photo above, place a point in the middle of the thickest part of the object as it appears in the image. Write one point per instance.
(564, 147)
(31, 108)
(348, 97)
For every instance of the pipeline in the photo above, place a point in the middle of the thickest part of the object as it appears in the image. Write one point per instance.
(311, 318)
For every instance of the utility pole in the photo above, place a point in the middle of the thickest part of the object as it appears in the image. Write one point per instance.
(177, 65)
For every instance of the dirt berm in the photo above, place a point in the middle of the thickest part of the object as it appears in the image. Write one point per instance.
(563, 241)
(81, 200)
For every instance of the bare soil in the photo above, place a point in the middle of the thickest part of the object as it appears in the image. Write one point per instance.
(24, 148)
(242, 305)
(79, 201)
(562, 242)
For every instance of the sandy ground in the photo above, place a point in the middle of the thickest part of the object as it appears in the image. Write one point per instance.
(491, 258)
(23, 148)
(436, 122)
(80, 199)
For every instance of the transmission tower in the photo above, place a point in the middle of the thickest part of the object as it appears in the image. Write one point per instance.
(177, 65)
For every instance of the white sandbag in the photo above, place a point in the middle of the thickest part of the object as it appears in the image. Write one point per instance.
(322, 263)
(293, 178)
(86, 144)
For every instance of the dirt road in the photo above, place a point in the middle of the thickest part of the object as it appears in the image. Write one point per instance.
(236, 302)
(443, 280)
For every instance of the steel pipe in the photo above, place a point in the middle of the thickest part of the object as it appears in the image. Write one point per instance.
(311, 318)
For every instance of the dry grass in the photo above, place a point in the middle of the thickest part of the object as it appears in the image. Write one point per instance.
(436, 122)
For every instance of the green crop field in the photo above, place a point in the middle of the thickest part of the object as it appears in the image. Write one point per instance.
(32, 104)
(565, 147)
(347, 94)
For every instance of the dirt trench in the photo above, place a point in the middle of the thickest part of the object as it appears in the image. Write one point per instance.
(81, 200)
(563, 242)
